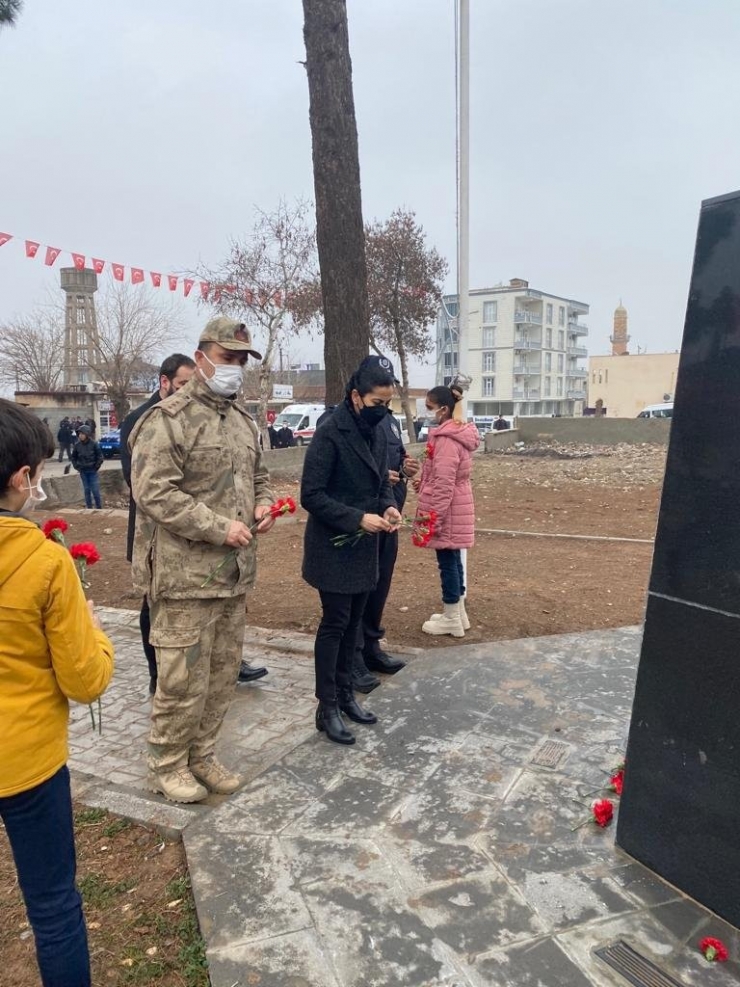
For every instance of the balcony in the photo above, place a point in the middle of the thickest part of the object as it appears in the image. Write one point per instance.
(577, 374)
(576, 395)
(527, 344)
(528, 318)
(526, 395)
(577, 328)
(577, 351)
(526, 370)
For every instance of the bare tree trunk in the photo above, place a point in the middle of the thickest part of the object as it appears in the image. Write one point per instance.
(336, 167)
(405, 402)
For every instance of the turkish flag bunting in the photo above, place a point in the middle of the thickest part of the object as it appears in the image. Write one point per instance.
(98, 265)
(156, 278)
(188, 285)
(32, 248)
(231, 288)
(4, 237)
(217, 295)
(137, 275)
(204, 289)
(249, 297)
(79, 261)
(172, 281)
(51, 255)
(277, 298)
(118, 272)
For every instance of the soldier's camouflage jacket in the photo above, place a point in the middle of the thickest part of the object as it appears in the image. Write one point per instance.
(196, 466)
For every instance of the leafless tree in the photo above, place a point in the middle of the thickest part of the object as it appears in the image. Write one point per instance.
(31, 351)
(9, 10)
(405, 279)
(259, 276)
(336, 170)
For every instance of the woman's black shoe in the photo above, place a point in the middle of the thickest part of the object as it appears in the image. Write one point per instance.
(329, 720)
(349, 705)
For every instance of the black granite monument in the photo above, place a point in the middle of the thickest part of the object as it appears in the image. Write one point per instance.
(680, 812)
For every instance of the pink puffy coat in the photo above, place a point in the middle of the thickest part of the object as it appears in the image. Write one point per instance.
(445, 484)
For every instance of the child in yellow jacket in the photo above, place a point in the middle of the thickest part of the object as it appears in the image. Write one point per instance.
(51, 650)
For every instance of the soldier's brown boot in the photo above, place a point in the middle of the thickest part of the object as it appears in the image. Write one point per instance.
(178, 785)
(215, 776)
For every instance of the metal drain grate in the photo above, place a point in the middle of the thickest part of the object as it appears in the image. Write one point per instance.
(633, 967)
(550, 754)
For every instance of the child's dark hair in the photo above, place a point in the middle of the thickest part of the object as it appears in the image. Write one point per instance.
(443, 397)
(24, 441)
(366, 379)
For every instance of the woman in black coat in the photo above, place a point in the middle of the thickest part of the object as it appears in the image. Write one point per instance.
(345, 488)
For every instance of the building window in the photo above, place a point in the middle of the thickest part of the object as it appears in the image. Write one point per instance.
(606, 376)
(548, 362)
(561, 315)
(490, 312)
(548, 387)
(548, 338)
(560, 362)
(549, 314)
(489, 363)
(561, 339)
(452, 309)
(593, 377)
(488, 339)
(489, 387)
(560, 387)
(450, 359)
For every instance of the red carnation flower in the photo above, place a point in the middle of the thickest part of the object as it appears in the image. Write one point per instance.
(616, 782)
(713, 950)
(429, 451)
(603, 810)
(85, 551)
(52, 525)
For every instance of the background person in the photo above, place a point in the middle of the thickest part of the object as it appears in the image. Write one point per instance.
(65, 438)
(51, 650)
(345, 488)
(199, 483)
(445, 488)
(175, 371)
(87, 458)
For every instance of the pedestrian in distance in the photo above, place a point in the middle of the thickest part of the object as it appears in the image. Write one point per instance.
(202, 491)
(174, 373)
(51, 650)
(445, 488)
(345, 490)
(272, 433)
(501, 424)
(285, 437)
(87, 458)
(65, 438)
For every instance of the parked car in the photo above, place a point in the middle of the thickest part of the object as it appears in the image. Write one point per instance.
(110, 443)
(657, 411)
(301, 420)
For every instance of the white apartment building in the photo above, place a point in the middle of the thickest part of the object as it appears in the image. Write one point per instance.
(523, 351)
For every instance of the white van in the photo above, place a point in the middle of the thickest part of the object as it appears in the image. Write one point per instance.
(301, 419)
(657, 411)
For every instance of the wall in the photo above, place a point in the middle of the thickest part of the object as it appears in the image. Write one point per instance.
(629, 383)
(66, 491)
(501, 440)
(594, 431)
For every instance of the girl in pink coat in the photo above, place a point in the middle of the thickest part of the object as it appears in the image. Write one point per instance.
(445, 488)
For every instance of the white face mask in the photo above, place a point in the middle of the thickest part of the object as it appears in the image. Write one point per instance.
(432, 414)
(34, 499)
(226, 380)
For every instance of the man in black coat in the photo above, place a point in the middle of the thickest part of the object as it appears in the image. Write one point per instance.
(65, 438)
(87, 458)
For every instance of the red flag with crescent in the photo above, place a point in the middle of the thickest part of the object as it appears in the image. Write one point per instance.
(51, 255)
(118, 272)
(98, 265)
(156, 278)
(204, 289)
(4, 237)
(188, 286)
(32, 248)
(79, 261)
(137, 275)
(172, 281)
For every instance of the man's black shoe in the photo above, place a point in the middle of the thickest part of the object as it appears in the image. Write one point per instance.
(362, 680)
(67, 468)
(381, 661)
(248, 673)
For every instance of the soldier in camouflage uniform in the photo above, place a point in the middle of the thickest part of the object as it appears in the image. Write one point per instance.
(199, 484)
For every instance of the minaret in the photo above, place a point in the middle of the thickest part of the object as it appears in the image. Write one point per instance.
(620, 337)
(81, 341)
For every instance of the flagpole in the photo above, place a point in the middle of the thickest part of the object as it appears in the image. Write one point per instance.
(463, 213)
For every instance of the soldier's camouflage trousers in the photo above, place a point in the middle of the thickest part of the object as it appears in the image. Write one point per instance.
(199, 647)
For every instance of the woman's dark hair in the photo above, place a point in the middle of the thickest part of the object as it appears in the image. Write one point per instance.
(24, 441)
(366, 379)
(443, 397)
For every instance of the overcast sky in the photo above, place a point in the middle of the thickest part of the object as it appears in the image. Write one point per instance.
(145, 132)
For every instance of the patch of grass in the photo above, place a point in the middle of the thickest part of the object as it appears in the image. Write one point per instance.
(143, 969)
(191, 955)
(115, 827)
(98, 892)
(89, 817)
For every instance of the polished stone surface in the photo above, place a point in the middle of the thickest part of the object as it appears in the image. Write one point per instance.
(681, 809)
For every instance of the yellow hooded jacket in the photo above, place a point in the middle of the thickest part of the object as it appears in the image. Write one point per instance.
(49, 653)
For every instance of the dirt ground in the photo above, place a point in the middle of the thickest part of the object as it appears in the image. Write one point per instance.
(140, 914)
(518, 586)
